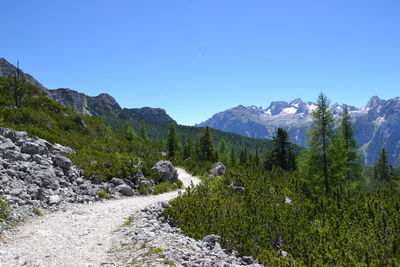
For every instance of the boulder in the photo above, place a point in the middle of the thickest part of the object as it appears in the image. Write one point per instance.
(32, 148)
(123, 189)
(117, 181)
(62, 162)
(210, 241)
(57, 148)
(13, 135)
(166, 170)
(54, 199)
(217, 169)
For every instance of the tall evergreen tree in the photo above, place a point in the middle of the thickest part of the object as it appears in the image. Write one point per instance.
(243, 157)
(346, 132)
(321, 136)
(281, 149)
(188, 150)
(129, 132)
(232, 157)
(143, 132)
(257, 158)
(173, 143)
(383, 171)
(206, 145)
(222, 146)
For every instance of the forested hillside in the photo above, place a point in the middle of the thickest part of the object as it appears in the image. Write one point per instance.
(326, 209)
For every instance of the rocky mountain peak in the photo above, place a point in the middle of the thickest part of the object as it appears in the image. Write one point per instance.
(374, 102)
(276, 107)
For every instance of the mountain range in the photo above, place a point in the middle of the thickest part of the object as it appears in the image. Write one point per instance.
(155, 120)
(377, 124)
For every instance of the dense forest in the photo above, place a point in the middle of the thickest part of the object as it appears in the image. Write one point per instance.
(276, 202)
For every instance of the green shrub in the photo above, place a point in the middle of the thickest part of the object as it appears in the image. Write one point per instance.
(103, 194)
(5, 209)
(354, 228)
(167, 187)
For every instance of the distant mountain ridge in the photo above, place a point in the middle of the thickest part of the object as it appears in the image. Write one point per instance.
(8, 69)
(377, 124)
(100, 105)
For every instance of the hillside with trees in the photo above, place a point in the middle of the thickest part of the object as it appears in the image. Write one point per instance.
(327, 209)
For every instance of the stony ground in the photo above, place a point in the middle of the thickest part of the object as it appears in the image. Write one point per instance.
(149, 240)
(78, 236)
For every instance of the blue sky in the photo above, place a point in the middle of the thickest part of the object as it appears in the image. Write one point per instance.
(196, 58)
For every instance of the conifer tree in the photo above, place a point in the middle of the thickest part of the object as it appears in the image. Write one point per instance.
(206, 145)
(222, 146)
(187, 151)
(346, 132)
(321, 136)
(383, 171)
(129, 132)
(232, 157)
(143, 132)
(243, 157)
(280, 152)
(173, 144)
(257, 158)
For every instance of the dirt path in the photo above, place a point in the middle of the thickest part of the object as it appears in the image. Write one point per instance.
(80, 236)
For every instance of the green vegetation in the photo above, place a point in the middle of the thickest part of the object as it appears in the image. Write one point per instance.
(101, 151)
(5, 209)
(37, 211)
(104, 195)
(328, 212)
(167, 187)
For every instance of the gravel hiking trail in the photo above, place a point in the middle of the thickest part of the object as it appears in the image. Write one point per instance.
(77, 236)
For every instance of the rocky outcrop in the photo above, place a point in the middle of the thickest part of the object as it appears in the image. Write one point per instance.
(36, 173)
(166, 170)
(217, 169)
(152, 241)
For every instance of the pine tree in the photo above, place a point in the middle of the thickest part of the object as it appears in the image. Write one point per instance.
(206, 146)
(222, 146)
(143, 132)
(17, 82)
(281, 149)
(187, 151)
(173, 144)
(129, 132)
(346, 132)
(257, 158)
(383, 171)
(292, 158)
(232, 157)
(243, 157)
(321, 136)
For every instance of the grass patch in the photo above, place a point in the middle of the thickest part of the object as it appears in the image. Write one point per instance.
(104, 195)
(169, 262)
(156, 250)
(144, 190)
(37, 211)
(5, 209)
(128, 221)
(167, 187)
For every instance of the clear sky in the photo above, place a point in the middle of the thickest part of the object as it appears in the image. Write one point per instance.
(196, 58)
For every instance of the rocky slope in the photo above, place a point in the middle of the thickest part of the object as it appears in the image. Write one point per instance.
(152, 241)
(376, 125)
(36, 174)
